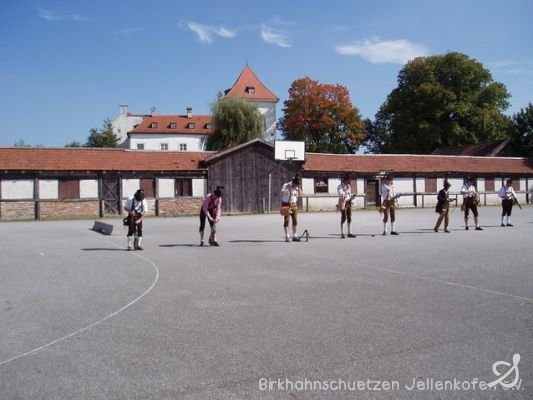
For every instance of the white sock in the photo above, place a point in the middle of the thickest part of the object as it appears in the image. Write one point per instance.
(139, 240)
(130, 241)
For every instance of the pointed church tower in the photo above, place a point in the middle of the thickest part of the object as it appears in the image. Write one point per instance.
(248, 87)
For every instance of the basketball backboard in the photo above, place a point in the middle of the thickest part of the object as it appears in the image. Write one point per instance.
(289, 150)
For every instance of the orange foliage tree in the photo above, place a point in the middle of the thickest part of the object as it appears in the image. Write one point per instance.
(323, 116)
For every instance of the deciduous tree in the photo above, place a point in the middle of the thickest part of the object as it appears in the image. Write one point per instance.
(522, 128)
(235, 121)
(443, 100)
(323, 116)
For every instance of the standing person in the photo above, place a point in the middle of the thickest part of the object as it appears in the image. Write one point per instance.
(443, 207)
(508, 197)
(470, 202)
(289, 207)
(345, 205)
(211, 209)
(388, 206)
(136, 206)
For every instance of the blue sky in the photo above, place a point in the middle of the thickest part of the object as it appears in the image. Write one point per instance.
(65, 66)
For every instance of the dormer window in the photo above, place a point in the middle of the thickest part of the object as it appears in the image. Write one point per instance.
(191, 125)
(208, 126)
(250, 90)
(153, 125)
(172, 125)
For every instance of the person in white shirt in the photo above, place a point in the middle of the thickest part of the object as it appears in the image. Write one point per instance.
(136, 206)
(388, 205)
(345, 205)
(470, 202)
(289, 207)
(508, 197)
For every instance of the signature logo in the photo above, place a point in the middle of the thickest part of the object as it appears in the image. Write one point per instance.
(504, 376)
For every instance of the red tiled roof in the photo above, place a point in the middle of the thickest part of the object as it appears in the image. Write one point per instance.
(482, 149)
(420, 164)
(164, 123)
(246, 80)
(91, 159)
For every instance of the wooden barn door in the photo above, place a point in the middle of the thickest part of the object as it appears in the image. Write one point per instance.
(111, 196)
(372, 193)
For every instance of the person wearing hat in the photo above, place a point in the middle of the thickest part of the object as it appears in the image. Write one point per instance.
(289, 207)
(508, 197)
(388, 206)
(443, 207)
(345, 204)
(136, 206)
(470, 202)
(212, 210)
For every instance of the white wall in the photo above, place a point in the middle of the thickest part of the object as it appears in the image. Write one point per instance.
(154, 141)
(333, 184)
(88, 189)
(166, 188)
(48, 189)
(17, 189)
(123, 123)
(308, 185)
(268, 111)
(199, 187)
(129, 187)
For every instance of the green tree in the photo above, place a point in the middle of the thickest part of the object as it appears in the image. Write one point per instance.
(522, 129)
(323, 116)
(103, 138)
(74, 143)
(235, 121)
(444, 100)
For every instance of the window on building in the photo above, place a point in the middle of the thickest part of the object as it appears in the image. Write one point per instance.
(431, 185)
(172, 125)
(153, 125)
(191, 125)
(321, 185)
(183, 187)
(164, 146)
(208, 126)
(183, 146)
(148, 185)
(69, 189)
(140, 146)
(250, 90)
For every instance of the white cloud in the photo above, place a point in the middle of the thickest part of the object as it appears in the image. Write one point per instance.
(274, 36)
(383, 51)
(50, 15)
(206, 33)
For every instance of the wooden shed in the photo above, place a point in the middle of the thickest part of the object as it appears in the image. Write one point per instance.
(251, 177)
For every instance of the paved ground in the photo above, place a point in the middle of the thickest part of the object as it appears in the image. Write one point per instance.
(80, 318)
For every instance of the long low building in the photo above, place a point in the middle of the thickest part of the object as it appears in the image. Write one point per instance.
(47, 183)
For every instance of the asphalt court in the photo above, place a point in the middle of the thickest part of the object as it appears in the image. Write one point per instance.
(81, 318)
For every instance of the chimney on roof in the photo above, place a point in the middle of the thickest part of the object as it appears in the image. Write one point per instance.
(189, 112)
(123, 108)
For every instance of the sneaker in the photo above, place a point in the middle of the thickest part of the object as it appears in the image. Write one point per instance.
(510, 225)
(502, 225)
(446, 231)
(479, 228)
(436, 229)
(215, 243)
(384, 233)
(351, 235)
(466, 228)
(342, 236)
(394, 233)
(296, 239)
(202, 243)
(130, 248)
(139, 248)
(287, 239)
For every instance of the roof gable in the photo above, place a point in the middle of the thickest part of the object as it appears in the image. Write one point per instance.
(249, 87)
(503, 148)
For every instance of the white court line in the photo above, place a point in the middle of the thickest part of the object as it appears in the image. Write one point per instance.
(28, 353)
